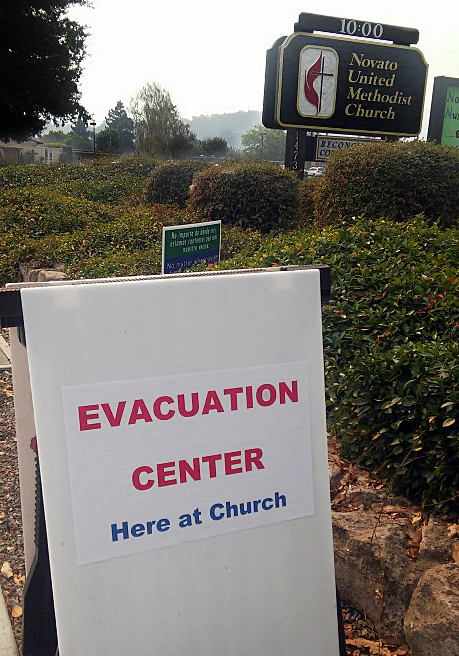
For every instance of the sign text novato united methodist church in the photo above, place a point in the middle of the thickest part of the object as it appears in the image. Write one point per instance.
(369, 82)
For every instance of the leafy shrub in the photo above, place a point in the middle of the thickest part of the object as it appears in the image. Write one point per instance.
(398, 416)
(395, 292)
(37, 211)
(96, 171)
(119, 264)
(257, 195)
(391, 180)
(307, 189)
(170, 182)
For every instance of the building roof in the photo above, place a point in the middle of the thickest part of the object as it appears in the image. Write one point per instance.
(30, 143)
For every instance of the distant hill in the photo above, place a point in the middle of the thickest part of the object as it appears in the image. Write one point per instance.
(226, 126)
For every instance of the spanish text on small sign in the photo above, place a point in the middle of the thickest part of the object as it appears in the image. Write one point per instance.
(187, 245)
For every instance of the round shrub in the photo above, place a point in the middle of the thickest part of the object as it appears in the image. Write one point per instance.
(257, 195)
(392, 180)
(170, 183)
(307, 189)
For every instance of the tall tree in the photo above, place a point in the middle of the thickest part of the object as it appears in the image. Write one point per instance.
(54, 136)
(159, 130)
(107, 141)
(263, 144)
(80, 137)
(119, 122)
(41, 51)
(214, 146)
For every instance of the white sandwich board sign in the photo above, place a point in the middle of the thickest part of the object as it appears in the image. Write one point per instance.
(181, 432)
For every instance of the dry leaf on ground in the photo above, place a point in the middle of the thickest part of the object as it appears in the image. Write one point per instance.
(6, 570)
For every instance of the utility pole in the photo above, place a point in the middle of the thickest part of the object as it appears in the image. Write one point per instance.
(93, 123)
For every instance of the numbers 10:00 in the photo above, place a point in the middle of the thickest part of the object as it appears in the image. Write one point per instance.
(365, 29)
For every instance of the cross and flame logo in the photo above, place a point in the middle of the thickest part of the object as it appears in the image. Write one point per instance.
(317, 81)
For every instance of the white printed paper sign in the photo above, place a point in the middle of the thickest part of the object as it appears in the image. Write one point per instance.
(160, 461)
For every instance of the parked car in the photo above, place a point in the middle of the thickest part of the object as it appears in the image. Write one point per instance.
(314, 172)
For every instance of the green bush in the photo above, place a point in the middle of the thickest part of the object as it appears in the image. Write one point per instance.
(261, 196)
(170, 182)
(395, 291)
(136, 230)
(38, 211)
(97, 171)
(307, 189)
(391, 180)
(398, 417)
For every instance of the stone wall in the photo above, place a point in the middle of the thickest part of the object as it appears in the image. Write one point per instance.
(397, 567)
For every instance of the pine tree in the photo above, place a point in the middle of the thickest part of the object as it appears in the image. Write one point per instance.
(119, 122)
(80, 138)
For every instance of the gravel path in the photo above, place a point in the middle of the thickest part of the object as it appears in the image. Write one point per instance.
(11, 543)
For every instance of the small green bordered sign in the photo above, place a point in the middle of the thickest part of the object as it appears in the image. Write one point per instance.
(187, 245)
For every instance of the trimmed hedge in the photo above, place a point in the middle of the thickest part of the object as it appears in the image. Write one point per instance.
(131, 232)
(126, 188)
(391, 330)
(308, 187)
(96, 171)
(40, 211)
(394, 308)
(170, 182)
(392, 180)
(402, 426)
(130, 244)
(261, 196)
(147, 260)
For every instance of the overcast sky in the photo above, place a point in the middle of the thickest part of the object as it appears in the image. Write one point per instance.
(210, 55)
